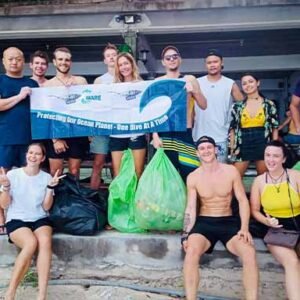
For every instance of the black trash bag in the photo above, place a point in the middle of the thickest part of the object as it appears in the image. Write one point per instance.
(78, 210)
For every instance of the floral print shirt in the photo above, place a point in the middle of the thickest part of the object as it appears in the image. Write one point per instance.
(235, 125)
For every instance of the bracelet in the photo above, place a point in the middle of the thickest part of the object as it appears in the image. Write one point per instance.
(50, 187)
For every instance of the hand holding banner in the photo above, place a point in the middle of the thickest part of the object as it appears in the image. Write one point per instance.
(108, 109)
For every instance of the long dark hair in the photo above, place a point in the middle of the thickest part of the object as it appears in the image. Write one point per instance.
(256, 79)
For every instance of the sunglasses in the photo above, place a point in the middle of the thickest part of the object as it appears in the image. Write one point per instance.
(172, 57)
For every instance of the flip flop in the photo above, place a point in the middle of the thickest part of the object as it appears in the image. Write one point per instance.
(2, 229)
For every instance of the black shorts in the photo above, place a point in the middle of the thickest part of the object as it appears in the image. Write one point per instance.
(13, 225)
(78, 148)
(121, 144)
(216, 229)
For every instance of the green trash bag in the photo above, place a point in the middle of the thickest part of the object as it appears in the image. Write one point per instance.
(160, 198)
(121, 197)
(297, 166)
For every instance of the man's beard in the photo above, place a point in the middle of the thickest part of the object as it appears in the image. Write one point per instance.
(63, 72)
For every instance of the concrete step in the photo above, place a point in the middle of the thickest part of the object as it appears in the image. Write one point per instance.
(153, 260)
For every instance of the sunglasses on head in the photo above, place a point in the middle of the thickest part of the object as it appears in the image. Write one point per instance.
(172, 56)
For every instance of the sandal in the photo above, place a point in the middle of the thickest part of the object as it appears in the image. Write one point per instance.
(2, 229)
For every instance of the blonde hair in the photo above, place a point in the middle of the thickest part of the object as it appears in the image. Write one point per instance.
(135, 71)
(61, 49)
(110, 46)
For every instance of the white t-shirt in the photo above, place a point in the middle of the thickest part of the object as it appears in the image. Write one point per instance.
(214, 121)
(27, 195)
(105, 78)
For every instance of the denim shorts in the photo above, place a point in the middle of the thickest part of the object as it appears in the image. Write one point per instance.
(99, 144)
(121, 144)
(222, 154)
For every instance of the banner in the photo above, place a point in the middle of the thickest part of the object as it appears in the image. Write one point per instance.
(108, 109)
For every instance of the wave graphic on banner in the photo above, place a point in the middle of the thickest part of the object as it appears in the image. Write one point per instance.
(121, 108)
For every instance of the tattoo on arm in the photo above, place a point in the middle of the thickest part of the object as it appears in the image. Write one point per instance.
(187, 221)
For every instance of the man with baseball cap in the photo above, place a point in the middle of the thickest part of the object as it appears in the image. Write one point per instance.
(179, 146)
(219, 91)
(214, 183)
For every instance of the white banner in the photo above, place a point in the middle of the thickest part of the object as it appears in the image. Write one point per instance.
(106, 109)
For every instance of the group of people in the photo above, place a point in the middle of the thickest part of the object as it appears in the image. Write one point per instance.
(216, 110)
(274, 202)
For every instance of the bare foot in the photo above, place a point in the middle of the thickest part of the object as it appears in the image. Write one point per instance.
(108, 227)
(9, 296)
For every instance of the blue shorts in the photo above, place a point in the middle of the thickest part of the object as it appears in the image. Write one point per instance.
(13, 225)
(292, 138)
(133, 143)
(12, 156)
(99, 144)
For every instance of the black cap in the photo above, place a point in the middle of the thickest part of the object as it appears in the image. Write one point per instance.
(205, 139)
(213, 52)
(168, 48)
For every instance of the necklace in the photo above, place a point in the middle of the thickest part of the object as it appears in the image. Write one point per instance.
(277, 181)
(66, 83)
(254, 98)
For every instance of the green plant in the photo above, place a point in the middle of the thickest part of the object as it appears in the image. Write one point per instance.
(30, 278)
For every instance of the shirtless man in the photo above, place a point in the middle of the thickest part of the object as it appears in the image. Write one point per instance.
(295, 107)
(179, 146)
(39, 62)
(99, 144)
(72, 148)
(214, 184)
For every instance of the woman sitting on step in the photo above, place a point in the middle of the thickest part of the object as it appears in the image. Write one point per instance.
(277, 191)
(27, 194)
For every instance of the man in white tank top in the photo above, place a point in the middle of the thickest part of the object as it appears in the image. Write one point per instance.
(219, 92)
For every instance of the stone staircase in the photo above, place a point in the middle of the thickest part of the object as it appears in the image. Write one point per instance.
(153, 260)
